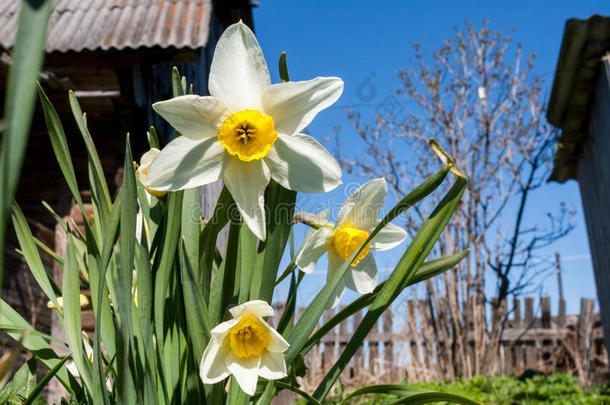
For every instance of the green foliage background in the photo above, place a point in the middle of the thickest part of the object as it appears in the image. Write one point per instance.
(556, 389)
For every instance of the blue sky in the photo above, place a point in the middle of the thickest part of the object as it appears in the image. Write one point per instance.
(372, 40)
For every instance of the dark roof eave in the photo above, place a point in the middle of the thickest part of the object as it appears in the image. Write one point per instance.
(584, 43)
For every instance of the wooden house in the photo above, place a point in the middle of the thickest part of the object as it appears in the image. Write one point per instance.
(580, 106)
(117, 56)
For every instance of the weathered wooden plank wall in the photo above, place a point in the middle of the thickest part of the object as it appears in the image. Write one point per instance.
(594, 180)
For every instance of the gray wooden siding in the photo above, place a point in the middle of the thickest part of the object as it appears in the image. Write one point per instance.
(594, 180)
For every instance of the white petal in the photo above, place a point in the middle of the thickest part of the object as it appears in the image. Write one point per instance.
(245, 371)
(277, 344)
(313, 247)
(148, 157)
(257, 307)
(212, 368)
(238, 74)
(388, 237)
(334, 262)
(220, 330)
(362, 278)
(195, 117)
(300, 163)
(246, 182)
(185, 163)
(273, 366)
(71, 366)
(293, 105)
(361, 209)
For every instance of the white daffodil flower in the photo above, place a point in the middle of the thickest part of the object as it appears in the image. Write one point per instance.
(142, 171)
(247, 131)
(357, 218)
(245, 347)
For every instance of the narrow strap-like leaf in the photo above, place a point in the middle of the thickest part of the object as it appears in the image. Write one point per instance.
(99, 188)
(433, 398)
(408, 395)
(164, 260)
(44, 381)
(245, 263)
(284, 68)
(195, 308)
(60, 147)
(123, 280)
(153, 138)
(72, 319)
(32, 258)
(207, 249)
(223, 293)
(309, 398)
(110, 237)
(280, 207)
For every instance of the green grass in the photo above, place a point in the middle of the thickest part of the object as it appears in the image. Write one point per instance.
(556, 389)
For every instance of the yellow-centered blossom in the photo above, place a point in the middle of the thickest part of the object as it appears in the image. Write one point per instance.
(245, 347)
(247, 132)
(357, 218)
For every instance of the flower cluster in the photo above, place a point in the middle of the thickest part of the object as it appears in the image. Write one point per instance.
(247, 132)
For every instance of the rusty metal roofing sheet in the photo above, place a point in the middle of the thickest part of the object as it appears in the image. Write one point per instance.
(77, 25)
(584, 44)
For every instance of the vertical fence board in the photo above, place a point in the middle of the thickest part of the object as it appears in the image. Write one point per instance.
(585, 326)
(328, 355)
(519, 360)
(389, 371)
(412, 332)
(358, 360)
(531, 352)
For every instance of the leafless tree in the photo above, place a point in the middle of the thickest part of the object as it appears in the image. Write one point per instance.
(478, 96)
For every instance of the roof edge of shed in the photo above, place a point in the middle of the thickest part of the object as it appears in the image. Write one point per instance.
(583, 45)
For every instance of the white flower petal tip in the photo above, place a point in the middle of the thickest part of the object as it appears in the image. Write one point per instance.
(239, 73)
(187, 163)
(246, 181)
(142, 171)
(363, 277)
(257, 307)
(300, 163)
(195, 117)
(361, 209)
(388, 237)
(245, 356)
(295, 104)
(313, 248)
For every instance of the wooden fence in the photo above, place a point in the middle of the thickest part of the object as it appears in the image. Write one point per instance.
(406, 344)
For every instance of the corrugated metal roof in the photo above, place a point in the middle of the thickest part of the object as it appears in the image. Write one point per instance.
(584, 44)
(77, 25)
